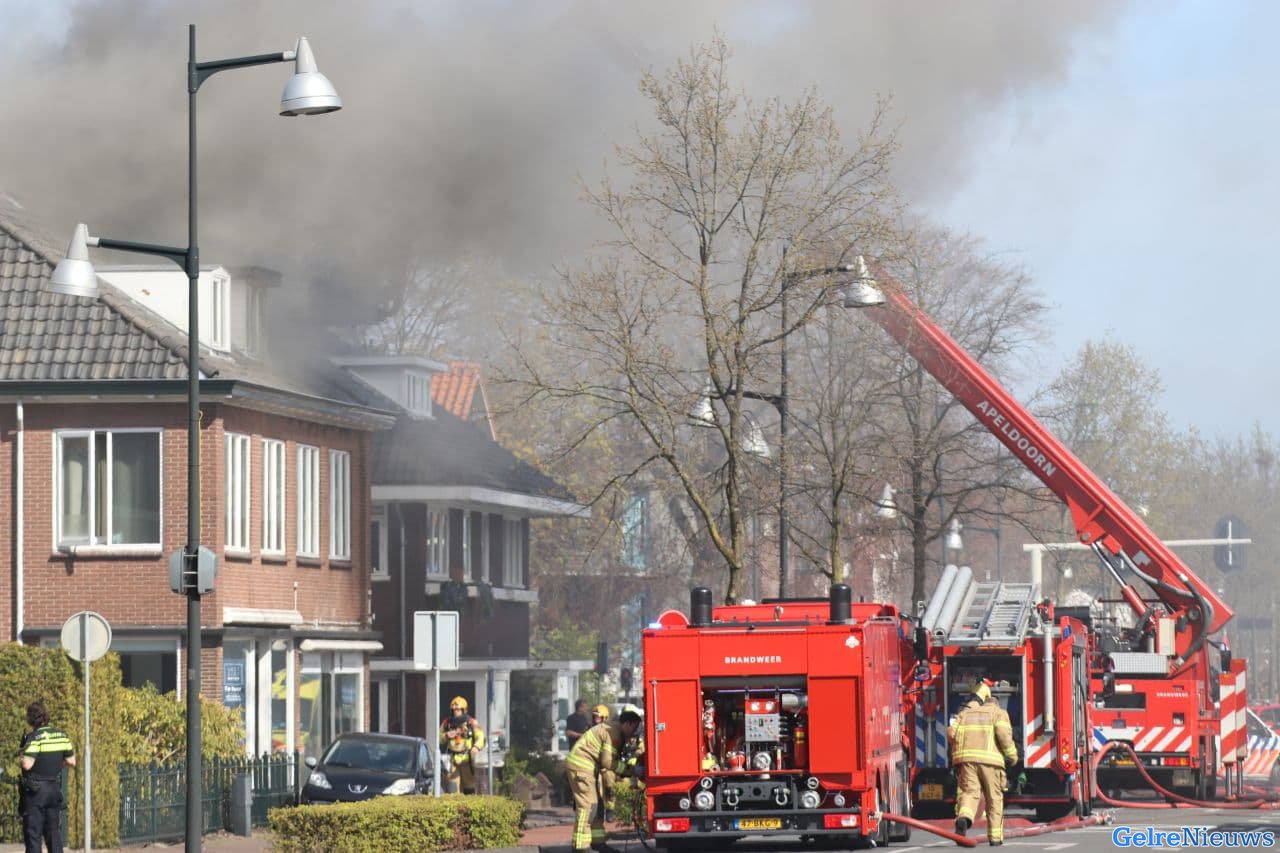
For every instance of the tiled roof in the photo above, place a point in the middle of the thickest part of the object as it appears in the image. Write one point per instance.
(456, 390)
(446, 451)
(48, 336)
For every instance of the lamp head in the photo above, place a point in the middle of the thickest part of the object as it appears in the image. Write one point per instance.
(953, 541)
(886, 507)
(74, 275)
(308, 92)
(862, 291)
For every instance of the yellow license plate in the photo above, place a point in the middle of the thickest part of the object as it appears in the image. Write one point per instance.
(758, 823)
(930, 792)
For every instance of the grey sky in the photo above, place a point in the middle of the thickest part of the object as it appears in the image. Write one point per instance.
(1120, 151)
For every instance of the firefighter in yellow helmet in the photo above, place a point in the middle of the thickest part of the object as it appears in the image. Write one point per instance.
(461, 739)
(591, 763)
(981, 742)
(599, 714)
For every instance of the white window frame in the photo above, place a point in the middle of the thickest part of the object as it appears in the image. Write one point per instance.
(485, 562)
(466, 545)
(339, 505)
(220, 315)
(308, 521)
(436, 546)
(91, 539)
(513, 553)
(417, 393)
(378, 539)
(238, 453)
(274, 469)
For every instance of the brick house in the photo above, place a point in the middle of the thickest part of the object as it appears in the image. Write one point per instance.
(93, 451)
(450, 531)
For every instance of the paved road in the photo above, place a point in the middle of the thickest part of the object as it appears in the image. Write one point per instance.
(1081, 840)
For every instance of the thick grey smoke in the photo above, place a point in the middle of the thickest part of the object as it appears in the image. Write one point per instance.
(465, 122)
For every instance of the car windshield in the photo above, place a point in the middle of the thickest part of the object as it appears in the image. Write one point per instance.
(371, 755)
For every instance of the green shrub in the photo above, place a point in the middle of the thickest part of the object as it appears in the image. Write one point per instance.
(32, 673)
(153, 728)
(418, 823)
(628, 802)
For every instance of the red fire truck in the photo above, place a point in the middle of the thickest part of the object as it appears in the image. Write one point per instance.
(1037, 662)
(781, 718)
(1153, 681)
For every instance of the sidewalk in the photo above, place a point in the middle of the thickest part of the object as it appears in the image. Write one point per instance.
(546, 830)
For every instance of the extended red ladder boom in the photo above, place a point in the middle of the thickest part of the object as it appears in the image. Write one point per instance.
(1101, 518)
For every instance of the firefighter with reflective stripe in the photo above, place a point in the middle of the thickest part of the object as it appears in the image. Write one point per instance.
(461, 739)
(592, 763)
(981, 742)
(45, 750)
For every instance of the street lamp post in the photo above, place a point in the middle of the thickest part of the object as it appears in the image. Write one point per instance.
(994, 531)
(859, 270)
(308, 92)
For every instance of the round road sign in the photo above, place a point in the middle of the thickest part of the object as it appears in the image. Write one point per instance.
(87, 629)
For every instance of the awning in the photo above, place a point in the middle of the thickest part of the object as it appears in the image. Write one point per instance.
(314, 645)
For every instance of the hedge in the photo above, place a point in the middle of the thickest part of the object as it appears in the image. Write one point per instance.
(128, 726)
(452, 822)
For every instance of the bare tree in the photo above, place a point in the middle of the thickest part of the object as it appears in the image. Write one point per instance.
(947, 464)
(681, 306)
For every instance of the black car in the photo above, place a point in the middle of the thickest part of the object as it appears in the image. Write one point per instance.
(358, 766)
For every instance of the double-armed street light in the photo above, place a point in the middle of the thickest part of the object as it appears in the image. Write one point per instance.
(858, 285)
(308, 92)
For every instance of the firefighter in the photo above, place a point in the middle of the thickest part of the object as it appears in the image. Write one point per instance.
(981, 742)
(599, 714)
(45, 750)
(461, 738)
(592, 763)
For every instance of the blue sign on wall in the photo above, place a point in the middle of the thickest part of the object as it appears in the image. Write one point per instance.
(233, 683)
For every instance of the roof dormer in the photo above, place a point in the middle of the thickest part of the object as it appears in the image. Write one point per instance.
(403, 379)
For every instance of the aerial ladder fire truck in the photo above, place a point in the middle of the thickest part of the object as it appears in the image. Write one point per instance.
(1153, 682)
(1037, 663)
(781, 718)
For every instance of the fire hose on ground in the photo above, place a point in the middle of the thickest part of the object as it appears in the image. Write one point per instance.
(1179, 801)
(1016, 832)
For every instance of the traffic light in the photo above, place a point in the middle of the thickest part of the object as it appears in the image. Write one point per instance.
(602, 657)
(1230, 558)
(624, 680)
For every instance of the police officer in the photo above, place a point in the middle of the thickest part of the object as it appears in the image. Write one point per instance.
(44, 751)
(461, 738)
(981, 741)
(591, 763)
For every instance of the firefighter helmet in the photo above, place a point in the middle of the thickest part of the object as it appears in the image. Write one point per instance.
(982, 691)
(458, 701)
(633, 709)
(601, 711)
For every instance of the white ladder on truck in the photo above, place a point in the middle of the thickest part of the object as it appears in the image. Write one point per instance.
(997, 615)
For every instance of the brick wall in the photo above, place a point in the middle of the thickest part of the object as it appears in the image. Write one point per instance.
(132, 591)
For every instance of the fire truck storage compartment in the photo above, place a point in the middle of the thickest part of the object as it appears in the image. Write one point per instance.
(963, 672)
(755, 725)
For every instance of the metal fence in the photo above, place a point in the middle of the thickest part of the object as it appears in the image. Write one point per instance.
(153, 798)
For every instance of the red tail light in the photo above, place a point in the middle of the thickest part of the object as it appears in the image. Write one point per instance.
(839, 821)
(1177, 761)
(671, 824)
